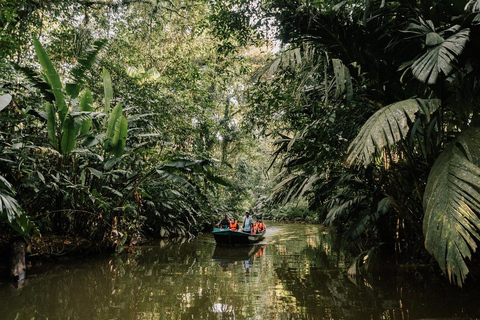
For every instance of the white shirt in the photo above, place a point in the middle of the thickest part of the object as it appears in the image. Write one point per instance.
(247, 223)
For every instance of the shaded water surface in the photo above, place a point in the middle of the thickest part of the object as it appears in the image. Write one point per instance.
(297, 272)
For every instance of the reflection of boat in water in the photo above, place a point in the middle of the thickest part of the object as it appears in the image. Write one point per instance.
(227, 256)
(227, 236)
(232, 254)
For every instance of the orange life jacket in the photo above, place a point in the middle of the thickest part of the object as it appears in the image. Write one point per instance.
(261, 227)
(233, 225)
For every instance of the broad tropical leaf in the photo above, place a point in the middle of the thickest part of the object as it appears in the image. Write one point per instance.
(120, 136)
(452, 204)
(386, 127)
(69, 135)
(86, 105)
(108, 89)
(52, 78)
(51, 124)
(112, 122)
(439, 59)
(5, 101)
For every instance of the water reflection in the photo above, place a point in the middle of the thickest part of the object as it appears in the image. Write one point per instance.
(297, 272)
(230, 256)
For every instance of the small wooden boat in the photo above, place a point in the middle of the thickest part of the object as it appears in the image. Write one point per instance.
(227, 236)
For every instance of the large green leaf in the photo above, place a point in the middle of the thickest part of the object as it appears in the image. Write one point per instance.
(51, 124)
(52, 78)
(69, 135)
(5, 101)
(112, 122)
(386, 127)
(120, 136)
(86, 105)
(108, 89)
(452, 205)
(440, 58)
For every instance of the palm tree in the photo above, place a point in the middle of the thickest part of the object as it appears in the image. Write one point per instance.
(444, 128)
(420, 138)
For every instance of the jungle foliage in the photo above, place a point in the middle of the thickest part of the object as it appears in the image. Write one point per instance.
(113, 116)
(374, 107)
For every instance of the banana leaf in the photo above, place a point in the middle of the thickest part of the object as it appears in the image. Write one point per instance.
(86, 105)
(52, 78)
(112, 122)
(69, 135)
(120, 137)
(51, 124)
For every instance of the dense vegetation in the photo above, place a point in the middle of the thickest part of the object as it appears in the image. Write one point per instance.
(113, 114)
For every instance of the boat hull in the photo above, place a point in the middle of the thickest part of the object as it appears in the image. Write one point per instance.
(227, 236)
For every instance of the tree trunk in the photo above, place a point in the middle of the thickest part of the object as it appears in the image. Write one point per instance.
(17, 259)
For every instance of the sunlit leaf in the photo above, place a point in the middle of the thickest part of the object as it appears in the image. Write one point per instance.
(86, 105)
(386, 127)
(5, 101)
(440, 59)
(108, 90)
(52, 77)
(452, 205)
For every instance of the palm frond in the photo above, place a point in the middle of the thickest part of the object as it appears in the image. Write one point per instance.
(341, 210)
(451, 204)
(386, 127)
(84, 64)
(37, 81)
(440, 58)
(286, 60)
(473, 6)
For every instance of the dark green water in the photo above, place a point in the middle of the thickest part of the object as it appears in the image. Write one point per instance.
(297, 272)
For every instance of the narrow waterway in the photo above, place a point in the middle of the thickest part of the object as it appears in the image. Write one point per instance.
(297, 272)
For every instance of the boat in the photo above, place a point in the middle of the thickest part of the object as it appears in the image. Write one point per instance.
(227, 236)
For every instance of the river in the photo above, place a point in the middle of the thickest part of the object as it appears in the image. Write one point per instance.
(297, 272)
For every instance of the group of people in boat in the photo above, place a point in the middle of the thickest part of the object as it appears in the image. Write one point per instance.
(248, 224)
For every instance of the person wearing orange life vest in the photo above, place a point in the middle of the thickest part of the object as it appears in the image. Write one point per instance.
(233, 224)
(254, 228)
(260, 226)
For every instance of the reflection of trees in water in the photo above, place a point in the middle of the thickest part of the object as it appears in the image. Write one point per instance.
(301, 278)
(312, 274)
(175, 282)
